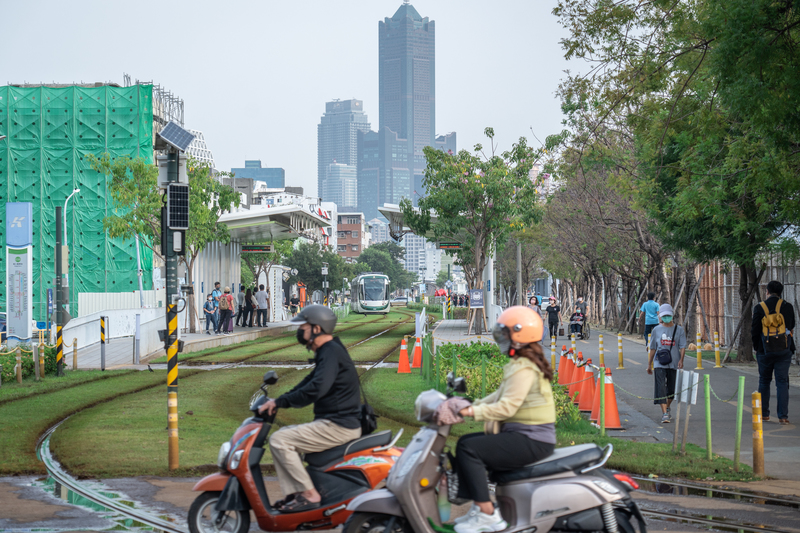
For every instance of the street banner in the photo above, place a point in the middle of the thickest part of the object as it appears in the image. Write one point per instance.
(476, 298)
(19, 272)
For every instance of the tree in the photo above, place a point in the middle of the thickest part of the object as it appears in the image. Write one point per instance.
(380, 259)
(137, 207)
(307, 259)
(476, 199)
(441, 278)
(397, 252)
(261, 263)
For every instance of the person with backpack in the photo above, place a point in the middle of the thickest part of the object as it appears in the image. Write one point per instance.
(225, 308)
(650, 311)
(667, 349)
(772, 333)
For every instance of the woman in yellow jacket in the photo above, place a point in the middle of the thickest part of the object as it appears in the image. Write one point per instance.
(519, 419)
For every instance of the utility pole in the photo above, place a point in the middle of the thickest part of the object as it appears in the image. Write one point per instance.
(325, 281)
(520, 295)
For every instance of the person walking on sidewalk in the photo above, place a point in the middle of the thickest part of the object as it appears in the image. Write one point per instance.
(772, 333)
(240, 305)
(667, 349)
(650, 310)
(215, 295)
(553, 317)
(210, 311)
(225, 310)
(262, 298)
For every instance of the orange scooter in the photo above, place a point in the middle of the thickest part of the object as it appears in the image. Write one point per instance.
(339, 474)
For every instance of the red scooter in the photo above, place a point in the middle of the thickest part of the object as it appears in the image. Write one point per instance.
(339, 474)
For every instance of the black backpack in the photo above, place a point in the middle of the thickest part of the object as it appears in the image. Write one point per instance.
(664, 354)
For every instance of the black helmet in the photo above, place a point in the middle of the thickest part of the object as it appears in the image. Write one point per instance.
(317, 315)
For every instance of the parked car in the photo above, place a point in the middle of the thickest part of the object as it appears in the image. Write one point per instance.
(400, 301)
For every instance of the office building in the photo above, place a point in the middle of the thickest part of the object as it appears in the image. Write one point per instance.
(384, 176)
(274, 178)
(378, 231)
(352, 235)
(337, 137)
(340, 186)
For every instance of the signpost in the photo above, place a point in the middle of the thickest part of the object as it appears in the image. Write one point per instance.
(476, 311)
(19, 273)
(257, 249)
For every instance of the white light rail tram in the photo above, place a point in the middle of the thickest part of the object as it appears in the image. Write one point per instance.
(369, 294)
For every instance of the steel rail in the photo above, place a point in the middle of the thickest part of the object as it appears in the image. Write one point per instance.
(55, 471)
(715, 523)
(744, 495)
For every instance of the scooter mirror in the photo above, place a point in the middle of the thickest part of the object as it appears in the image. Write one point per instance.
(449, 379)
(460, 385)
(270, 378)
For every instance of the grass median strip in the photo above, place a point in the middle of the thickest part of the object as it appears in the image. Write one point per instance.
(10, 392)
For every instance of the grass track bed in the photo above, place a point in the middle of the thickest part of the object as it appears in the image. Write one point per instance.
(72, 378)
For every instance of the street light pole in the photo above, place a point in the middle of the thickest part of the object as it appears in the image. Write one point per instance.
(74, 192)
(66, 243)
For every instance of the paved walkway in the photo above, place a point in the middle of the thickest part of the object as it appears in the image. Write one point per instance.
(119, 352)
(642, 420)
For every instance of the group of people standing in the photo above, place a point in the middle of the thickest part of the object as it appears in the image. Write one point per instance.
(460, 300)
(251, 309)
(553, 313)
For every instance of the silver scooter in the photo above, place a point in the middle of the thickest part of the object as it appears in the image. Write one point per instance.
(569, 491)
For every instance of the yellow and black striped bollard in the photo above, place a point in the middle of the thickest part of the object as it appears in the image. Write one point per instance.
(172, 385)
(59, 351)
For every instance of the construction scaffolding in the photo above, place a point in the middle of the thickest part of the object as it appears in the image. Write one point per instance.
(166, 106)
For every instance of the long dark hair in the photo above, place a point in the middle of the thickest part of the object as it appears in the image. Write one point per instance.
(247, 296)
(535, 353)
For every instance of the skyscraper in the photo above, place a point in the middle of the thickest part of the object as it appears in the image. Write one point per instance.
(391, 162)
(337, 136)
(275, 178)
(340, 186)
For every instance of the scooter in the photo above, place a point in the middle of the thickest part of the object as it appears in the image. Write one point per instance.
(566, 492)
(339, 474)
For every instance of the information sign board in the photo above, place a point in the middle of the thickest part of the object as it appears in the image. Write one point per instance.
(448, 245)
(476, 298)
(19, 271)
(257, 249)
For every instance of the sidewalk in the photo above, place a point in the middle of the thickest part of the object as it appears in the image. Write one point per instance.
(119, 351)
(642, 419)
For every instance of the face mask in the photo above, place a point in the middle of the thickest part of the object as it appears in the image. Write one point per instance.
(301, 337)
(209, 299)
(666, 319)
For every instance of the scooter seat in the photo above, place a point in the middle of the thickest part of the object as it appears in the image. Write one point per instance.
(325, 458)
(566, 459)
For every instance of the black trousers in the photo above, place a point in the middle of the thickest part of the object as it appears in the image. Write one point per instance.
(239, 316)
(477, 452)
(554, 329)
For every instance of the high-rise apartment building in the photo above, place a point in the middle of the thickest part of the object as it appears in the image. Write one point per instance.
(275, 178)
(391, 161)
(340, 186)
(337, 137)
(199, 150)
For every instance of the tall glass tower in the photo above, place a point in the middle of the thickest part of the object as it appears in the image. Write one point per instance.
(336, 138)
(407, 86)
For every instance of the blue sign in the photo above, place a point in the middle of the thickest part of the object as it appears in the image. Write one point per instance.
(476, 298)
(19, 227)
(49, 302)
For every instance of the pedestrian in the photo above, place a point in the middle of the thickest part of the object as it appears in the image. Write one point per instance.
(263, 304)
(225, 311)
(772, 332)
(582, 306)
(210, 312)
(667, 349)
(248, 309)
(254, 307)
(240, 305)
(294, 304)
(650, 310)
(216, 294)
(533, 303)
(553, 317)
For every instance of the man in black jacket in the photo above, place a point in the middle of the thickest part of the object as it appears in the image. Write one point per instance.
(772, 360)
(333, 388)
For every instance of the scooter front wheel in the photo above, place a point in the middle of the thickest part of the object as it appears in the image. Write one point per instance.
(202, 516)
(375, 523)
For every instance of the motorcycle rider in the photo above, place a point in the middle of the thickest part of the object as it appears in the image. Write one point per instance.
(333, 388)
(519, 419)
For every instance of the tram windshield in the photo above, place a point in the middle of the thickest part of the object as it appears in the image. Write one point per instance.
(374, 289)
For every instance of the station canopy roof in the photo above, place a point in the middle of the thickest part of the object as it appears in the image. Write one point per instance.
(398, 227)
(262, 223)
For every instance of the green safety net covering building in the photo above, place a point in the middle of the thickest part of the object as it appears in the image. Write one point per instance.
(50, 131)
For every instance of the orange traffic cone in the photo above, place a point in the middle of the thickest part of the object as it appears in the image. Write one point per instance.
(611, 410)
(562, 365)
(576, 377)
(403, 367)
(586, 396)
(569, 368)
(417, 362)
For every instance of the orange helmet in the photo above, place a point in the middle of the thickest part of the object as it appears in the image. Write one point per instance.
(516, 327)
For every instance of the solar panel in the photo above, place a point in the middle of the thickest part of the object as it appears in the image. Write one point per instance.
(176, 136)
(178, 206)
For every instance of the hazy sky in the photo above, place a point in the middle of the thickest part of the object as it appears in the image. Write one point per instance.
(255, 75)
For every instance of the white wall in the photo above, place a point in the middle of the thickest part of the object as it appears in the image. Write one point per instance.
(121, 323)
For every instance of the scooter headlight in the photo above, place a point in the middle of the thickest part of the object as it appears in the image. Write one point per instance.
(237, 456)
(224, 450)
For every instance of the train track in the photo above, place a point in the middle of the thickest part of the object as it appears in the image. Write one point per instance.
(55, 471)
(725, 525)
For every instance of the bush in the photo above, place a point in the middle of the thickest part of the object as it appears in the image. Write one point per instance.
(469, 366)
(430, 308)
(9, 361)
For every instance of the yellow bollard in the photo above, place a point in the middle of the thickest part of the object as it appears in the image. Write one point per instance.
(602, 354)
(699, 353)
(553, 353)
(758, 436)
(19, 365)
(572, 338)
(619, 353)
(41, 360)
(716, 350)
(74, 353)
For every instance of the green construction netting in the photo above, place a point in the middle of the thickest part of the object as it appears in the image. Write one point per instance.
(50, 132)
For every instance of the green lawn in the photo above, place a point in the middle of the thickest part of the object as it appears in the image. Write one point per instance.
(24, 421)
(11, 391)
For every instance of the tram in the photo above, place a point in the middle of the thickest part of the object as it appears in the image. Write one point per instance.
(369, 294)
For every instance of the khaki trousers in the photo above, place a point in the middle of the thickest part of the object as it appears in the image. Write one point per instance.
(289, 442)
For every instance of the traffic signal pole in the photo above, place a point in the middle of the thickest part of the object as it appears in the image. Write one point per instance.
(171, 262)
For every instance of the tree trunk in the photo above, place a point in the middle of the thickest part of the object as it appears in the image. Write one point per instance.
(747, 278)
(190, 281)
(690, 307)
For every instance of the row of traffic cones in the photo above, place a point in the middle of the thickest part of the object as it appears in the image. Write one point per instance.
(403, 367)
(587, 390)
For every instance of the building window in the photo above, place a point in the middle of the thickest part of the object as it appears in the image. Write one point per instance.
(354, 247)
(342, 247)
(355, 235)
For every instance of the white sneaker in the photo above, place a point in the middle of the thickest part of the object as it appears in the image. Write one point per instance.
(472, 511)
(480, 522)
